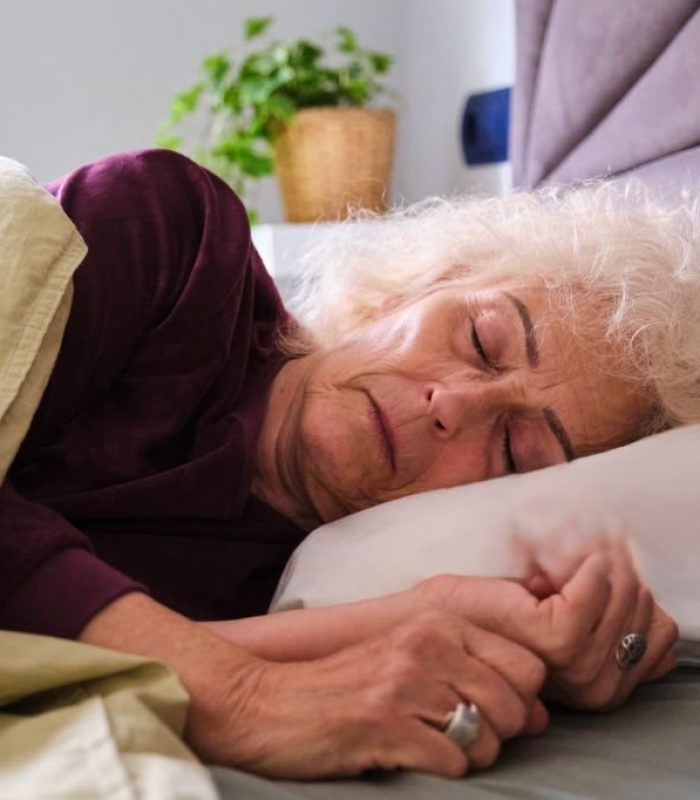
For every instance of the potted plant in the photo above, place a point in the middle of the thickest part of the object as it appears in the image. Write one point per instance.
(286, 108)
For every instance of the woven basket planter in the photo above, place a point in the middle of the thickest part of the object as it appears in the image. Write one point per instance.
(330, 158)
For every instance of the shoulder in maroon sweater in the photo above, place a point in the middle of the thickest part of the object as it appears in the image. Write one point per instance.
(138, 466)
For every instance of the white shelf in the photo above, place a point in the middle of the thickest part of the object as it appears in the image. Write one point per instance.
(280, 247)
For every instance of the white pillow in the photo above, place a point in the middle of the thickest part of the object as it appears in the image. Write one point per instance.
(652, 487)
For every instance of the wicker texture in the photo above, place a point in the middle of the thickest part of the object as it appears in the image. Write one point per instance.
(330, 158)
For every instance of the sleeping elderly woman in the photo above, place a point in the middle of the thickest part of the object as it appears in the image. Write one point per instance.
(193, 432)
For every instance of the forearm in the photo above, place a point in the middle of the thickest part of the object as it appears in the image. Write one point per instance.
(316, 632)
(208, 666)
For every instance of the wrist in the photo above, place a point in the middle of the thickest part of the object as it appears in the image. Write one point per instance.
(205, 663)
(222, 679)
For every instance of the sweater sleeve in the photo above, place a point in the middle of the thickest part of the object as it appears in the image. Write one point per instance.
(50, 581)
(152, 222)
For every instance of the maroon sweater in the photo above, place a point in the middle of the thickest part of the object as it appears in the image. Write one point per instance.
(137, 469)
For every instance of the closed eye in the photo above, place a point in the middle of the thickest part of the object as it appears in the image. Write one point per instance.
(508, 460)
(476, 342)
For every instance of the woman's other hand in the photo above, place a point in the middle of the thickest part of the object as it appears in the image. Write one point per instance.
(380, 703)
(575, 627)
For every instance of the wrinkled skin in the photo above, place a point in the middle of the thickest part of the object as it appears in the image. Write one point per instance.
(379, 703)
(574, 632)
(467, 383)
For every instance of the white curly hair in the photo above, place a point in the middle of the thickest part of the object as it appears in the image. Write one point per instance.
(637, 260)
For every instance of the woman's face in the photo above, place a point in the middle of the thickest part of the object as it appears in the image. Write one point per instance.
(465, 384)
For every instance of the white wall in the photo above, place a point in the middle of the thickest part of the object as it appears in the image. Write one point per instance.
(83, 78)
(451, 48)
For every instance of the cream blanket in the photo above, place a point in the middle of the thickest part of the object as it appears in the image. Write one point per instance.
(75, 721)
(82, 723)
(40, 249)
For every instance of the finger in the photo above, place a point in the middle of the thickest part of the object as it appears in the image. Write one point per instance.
(564, 620)
(411, 744)
(436, 704)
(663, 629)
(612, 685)
(521, 668)
(499, 703)
(433, 702)
(661, 636)
(484, 750)
(537, 720)
(537, 584)
(625, 585)
(439, 672)
(629, 610)
(661, 669)
(561, 557)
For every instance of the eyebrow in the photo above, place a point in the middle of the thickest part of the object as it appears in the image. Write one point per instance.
(559, 432)
(533, 358)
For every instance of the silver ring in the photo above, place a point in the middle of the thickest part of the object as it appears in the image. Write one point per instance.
(631, 650)
(463, 725)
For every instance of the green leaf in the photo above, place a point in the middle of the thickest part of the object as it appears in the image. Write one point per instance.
(280, 53)
(348, 40)
(255, 26)
(255, 164)
(255, 65)
(231, 98)
(255, 91)
(228, 146)
(253, 216)
(359, 90)
(355, 69)
(305, 54)
(280, 107)
(216, 67)
(381, 62)
(244, 150)
(185, 103)
(169, 141)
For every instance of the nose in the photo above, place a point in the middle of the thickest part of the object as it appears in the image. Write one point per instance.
(468, 405)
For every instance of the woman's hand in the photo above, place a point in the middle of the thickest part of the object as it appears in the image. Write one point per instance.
(380, 704)
(589, 675)
(576, 629)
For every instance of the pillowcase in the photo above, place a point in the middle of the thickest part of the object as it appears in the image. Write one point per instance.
(650, 488)
(40, 249)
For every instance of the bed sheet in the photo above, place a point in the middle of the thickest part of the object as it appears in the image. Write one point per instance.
(649, 748)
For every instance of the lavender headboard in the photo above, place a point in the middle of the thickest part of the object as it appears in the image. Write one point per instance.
(604, 87)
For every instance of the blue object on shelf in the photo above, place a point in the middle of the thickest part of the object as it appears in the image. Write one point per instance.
(485, 127)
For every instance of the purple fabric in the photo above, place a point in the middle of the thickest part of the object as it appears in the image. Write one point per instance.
(606, 88)
(137, 469)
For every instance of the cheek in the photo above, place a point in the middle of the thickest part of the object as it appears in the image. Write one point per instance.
(457, 466)
(337, 447)
(439, 466)
(325, 438)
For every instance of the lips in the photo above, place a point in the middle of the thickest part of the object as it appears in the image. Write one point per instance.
(383, 428)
